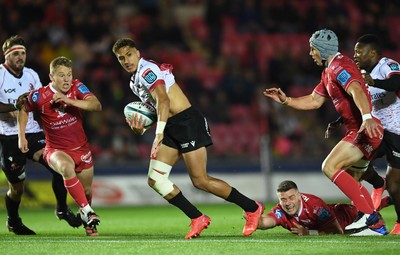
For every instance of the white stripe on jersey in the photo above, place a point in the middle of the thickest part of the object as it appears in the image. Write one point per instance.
(386, 105)
(10, 88)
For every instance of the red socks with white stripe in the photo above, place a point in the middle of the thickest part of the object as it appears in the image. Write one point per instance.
(352, 190)
(76, 190)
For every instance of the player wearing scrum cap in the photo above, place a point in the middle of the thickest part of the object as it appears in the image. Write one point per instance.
(15, 80)
(342, 83)
(181, 131)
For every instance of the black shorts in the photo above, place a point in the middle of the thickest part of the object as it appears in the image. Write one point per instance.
(13, 160)
(187, 131)
(390, 147)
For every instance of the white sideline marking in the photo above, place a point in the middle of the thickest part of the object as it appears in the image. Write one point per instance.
(97, 240)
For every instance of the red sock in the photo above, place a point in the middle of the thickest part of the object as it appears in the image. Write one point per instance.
(367, 196)
(76, 190)
(350, 188)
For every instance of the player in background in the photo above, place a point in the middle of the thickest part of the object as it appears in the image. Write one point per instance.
(341, 82)
(182, 131)
(60, 106)
(16, 79)
(382, 75)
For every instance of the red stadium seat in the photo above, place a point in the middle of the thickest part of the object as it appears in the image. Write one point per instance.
(236, 45)
(199, 29)
(393, 24)
(241, 113)
(221, 138)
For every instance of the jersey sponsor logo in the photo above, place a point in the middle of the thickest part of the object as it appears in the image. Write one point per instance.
(35, 96)
(394, 66)
(87, 158)
(396, 154)
(343, 77)
(368, 148)
(278, 213)
(305, 198)
(149, 76)
(60, 112)
(9, 91)
(83, 89)
(63, 123)
(184, 145)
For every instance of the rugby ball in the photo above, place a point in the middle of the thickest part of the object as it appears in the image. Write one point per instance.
(141, 109)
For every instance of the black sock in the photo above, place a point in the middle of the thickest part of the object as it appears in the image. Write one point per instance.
(375, 180)
(57, 183)
(185, 206)
(241, 200)
(12, 208)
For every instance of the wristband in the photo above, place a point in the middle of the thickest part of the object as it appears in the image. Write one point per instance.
(160, 127)
(366, 116)
(313, 232)
(287, 100)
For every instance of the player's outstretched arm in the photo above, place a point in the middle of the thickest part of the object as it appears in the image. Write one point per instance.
(332, 227)
(309, 102)
(266, 222)
(276, 94)
(22, 121)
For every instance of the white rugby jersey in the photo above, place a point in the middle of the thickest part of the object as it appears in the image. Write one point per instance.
(386, 104)
(11, 88)
(148, 75)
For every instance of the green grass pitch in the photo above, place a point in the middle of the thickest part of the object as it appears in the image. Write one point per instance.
(161, 230)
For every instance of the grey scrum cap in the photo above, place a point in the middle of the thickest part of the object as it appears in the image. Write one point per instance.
(326, 42)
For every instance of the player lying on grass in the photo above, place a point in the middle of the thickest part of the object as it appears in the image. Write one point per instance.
(307, 214)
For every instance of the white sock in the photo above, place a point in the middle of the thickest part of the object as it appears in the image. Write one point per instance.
(86, 209)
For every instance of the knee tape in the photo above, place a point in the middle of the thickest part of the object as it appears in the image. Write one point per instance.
(159, 172)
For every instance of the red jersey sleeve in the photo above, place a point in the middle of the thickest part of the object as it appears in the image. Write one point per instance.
(320, 89)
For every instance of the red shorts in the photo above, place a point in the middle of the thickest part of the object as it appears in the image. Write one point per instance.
(345, 213)
(362, 141)
(81, 156)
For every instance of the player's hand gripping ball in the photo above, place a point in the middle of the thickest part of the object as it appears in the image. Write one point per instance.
(141, 109)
